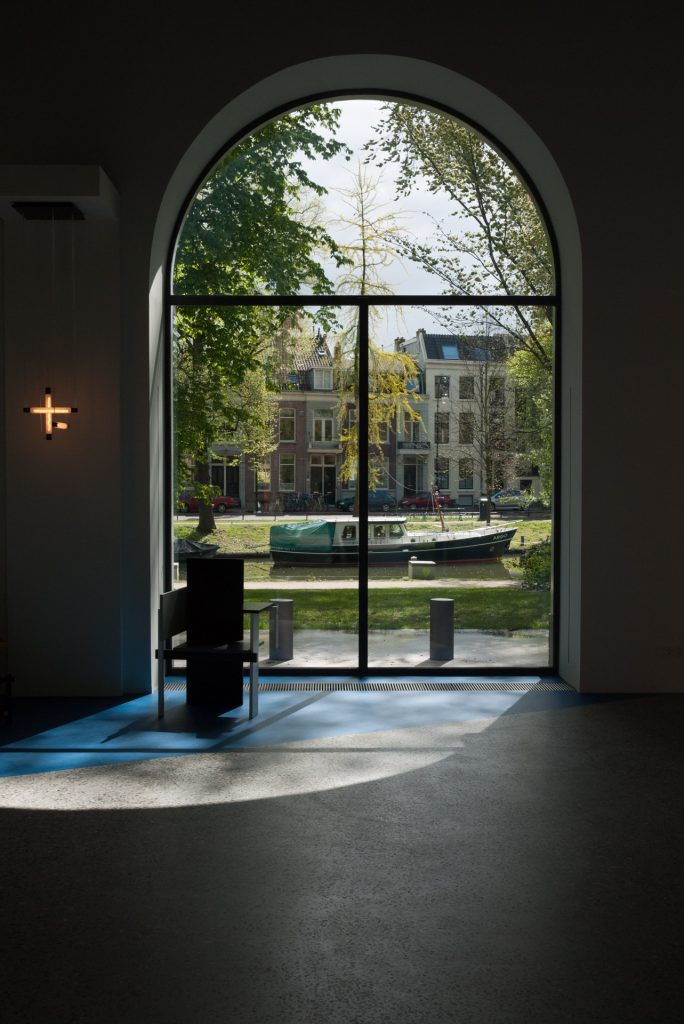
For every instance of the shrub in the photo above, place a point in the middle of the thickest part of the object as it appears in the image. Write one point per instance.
(536, 566)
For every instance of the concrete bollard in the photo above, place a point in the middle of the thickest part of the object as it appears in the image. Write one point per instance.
(441, 629)
(281, 630)
(418, 570)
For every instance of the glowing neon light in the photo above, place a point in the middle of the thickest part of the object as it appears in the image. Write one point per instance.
(49, 411)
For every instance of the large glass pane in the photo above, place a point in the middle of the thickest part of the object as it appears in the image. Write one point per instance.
(363, 196)
(265, 412)
(456, 580)
(343, 200)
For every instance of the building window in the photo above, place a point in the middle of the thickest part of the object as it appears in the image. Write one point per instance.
(226, 478)
(466, 387)
(441, 428)
(383, 432)
(497, 390)
(466, 428)
(218, 476)
(287, 473)
(441, 387)
(323, 420)
(465, 474)
(287, 425)
(323, 476)
(264, 474)
(322, 380)
(442, 474)
(412, 429)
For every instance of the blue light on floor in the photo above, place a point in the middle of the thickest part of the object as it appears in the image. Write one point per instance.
(131, 731)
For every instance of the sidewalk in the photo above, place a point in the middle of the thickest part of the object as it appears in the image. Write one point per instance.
(410, 648)
(375, 584)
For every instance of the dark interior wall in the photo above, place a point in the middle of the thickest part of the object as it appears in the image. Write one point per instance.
(131, 94)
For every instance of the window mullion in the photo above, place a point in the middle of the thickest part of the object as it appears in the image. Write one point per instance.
(362, 484)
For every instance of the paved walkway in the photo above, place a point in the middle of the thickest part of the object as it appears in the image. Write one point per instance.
(410, 648)
(375, 584)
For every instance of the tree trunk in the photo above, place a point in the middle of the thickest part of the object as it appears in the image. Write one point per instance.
(207, 523)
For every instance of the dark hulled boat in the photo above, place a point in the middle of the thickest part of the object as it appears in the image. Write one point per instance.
(330, 542)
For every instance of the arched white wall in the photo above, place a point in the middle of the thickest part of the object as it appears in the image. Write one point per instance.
(436, 84)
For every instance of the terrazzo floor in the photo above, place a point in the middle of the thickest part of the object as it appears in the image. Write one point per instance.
(346, 858)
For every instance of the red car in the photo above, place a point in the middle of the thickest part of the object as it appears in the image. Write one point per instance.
(424, 500)
(187, 502)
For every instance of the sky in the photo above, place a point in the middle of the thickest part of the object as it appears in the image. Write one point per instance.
(402, 276)
(415, 216)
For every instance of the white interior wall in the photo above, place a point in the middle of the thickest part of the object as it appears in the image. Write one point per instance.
(63, 510)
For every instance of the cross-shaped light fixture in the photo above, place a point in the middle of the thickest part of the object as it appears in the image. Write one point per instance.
(49, 411)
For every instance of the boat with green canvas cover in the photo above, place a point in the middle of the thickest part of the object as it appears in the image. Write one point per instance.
(331, 542)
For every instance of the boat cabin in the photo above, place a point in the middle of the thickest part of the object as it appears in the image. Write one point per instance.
(380, 531)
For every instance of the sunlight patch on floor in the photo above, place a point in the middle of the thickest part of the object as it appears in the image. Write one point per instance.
(233, 776)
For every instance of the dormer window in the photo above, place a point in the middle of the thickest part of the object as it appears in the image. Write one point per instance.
(322, 380)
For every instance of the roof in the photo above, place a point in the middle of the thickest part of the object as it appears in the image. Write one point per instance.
(313, 354)
(471, 348)
(317, 357)
(314, 357)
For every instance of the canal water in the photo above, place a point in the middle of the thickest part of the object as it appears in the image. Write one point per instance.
(264, 569)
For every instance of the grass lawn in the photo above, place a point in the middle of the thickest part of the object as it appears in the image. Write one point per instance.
(404, 608)
(237, 536)
(233, 538)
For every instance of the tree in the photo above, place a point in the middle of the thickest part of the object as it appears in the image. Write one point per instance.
(494, 240)
(243, 235)
(370, 247)
(255, 436)
(534, 413)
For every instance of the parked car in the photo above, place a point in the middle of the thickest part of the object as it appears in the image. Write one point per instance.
(378, 501)
(509, 497)
(424, 500)
(187, 502)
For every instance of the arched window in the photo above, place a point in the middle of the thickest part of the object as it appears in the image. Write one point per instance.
(364, 320)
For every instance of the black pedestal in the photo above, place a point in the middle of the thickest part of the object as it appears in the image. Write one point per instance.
(215, 596)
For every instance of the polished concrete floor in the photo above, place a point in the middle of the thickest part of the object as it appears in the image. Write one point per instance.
(478, 857)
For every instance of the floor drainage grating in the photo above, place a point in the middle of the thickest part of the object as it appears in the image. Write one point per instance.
(401, 686)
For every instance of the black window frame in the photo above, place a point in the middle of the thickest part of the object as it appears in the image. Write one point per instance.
(364, 303)
(461, 380)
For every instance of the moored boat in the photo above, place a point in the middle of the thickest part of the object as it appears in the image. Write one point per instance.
(331, 542)
(184, 549)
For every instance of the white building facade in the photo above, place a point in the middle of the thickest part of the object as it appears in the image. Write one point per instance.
(465, 443)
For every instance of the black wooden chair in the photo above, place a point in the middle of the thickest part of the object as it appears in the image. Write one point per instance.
(210, 611)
